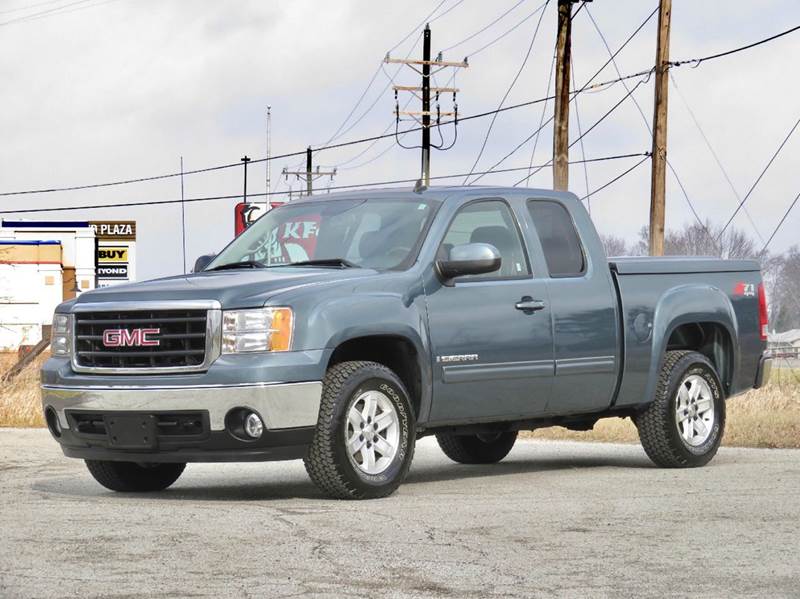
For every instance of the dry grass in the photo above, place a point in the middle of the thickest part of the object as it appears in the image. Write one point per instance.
(20, 400)
(768, 417)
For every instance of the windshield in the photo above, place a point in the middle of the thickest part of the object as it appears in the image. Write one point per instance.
(369, 233)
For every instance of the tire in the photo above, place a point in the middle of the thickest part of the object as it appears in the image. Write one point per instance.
(129, 477)
(476, 449)
(342, 471)
(663, 432)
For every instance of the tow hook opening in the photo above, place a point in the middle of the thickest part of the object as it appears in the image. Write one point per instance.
(53, 425)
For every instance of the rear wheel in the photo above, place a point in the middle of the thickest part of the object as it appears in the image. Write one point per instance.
(477, 449)
(130, 477)
(683, 426)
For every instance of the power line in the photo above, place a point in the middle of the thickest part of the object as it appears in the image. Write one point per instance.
(28, 7)
(714, 154)
(43, 12)
(698, 61)
(510, 87)
(482, 29)
(750, 191)
(780, 224)
(584, 134)
(647, 126)
(617, 178)
(280, 156)
(583, 150)
(336, 134)
(586, 86)
(230, 197)
(544, 110)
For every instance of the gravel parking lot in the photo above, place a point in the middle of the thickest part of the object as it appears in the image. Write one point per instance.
(554, 519)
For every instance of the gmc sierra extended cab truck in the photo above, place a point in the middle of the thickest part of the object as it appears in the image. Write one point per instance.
(341, 329)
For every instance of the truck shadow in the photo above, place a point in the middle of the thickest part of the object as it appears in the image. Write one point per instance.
(227, 487)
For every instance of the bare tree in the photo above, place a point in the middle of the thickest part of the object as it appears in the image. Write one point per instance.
(614, 246)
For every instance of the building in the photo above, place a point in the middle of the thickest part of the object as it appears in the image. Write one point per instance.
(43, 263)
(31, 286)
(78, 250)
(786, 344)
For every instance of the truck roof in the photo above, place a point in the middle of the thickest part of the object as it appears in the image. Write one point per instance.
(443, 192)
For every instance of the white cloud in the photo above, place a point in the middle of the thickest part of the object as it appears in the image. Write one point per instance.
(126, 88)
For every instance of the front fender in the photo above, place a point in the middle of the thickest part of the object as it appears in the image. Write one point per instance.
(341, 319)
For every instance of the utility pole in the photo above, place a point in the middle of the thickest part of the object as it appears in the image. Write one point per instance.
(309, 184)
(309, 175)
(245, 160)
(425, 96)
(269, 156)
(658, 181)
(561, 121)
(426, 105)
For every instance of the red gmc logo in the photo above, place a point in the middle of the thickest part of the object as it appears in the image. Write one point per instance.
(130, 338)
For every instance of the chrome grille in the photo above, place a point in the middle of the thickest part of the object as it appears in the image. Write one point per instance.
(180, 338)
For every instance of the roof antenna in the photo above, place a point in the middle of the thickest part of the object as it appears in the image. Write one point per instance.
(419, 187)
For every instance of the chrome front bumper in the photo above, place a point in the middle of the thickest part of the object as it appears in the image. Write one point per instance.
(281, 406)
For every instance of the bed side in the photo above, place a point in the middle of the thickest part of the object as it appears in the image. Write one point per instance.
(702, 304)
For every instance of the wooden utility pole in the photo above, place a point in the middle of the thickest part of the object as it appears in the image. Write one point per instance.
(309, 174)
(658, 179)
(561, 124)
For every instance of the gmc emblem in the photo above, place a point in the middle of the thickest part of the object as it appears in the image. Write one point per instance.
(130, 338)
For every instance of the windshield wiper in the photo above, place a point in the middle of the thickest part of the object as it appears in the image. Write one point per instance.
(331, 262)
(243, 264)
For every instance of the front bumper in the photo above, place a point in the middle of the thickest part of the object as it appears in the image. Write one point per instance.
(289, 412)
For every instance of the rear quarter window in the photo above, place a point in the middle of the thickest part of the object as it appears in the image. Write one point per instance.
(562, 247)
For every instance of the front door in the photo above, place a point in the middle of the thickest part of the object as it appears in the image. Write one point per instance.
(491, 335)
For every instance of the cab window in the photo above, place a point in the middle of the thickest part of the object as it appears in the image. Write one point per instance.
(488, 221)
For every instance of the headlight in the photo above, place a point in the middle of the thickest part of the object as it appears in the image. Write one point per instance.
(265, 329)
(61, 335)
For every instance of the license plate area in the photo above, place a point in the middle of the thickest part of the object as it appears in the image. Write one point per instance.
(131, 431)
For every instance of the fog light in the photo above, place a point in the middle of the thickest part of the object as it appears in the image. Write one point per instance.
(253, 425)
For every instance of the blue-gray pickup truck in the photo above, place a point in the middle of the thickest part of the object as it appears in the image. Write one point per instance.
(340, 329)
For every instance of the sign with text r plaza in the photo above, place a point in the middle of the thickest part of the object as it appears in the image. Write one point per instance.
(116, 251)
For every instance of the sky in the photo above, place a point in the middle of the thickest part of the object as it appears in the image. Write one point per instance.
(103, 90)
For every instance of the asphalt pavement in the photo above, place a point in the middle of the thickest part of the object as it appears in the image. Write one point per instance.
(555, 519)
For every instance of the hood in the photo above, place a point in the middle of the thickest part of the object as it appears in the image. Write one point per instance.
(231, 288)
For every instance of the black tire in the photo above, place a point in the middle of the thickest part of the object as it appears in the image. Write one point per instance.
(129, 477)
(658, 424)
(477, 449)
(328, 462)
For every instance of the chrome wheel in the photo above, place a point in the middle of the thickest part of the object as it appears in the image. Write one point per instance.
(694, 410)
(372, 433)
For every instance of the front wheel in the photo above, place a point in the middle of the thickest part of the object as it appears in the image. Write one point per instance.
(684, 424)
(130, 477)
(477, 449)
(364, 442)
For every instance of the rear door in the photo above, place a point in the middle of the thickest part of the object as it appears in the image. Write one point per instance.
(492, 358)
(584, 312)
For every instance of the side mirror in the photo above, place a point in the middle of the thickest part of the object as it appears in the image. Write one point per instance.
(469, 259)
(203, 261)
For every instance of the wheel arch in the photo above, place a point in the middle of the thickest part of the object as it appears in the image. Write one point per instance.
(396, 350)
(698, 318)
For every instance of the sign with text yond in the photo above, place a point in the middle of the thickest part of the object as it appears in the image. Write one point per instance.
(116, 251)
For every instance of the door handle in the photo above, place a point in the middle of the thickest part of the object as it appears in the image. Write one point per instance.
(528, 305)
